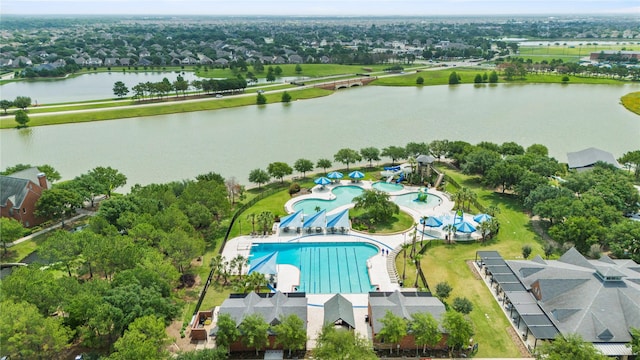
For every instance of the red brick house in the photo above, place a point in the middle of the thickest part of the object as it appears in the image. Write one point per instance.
(402, 304)
(19, 193)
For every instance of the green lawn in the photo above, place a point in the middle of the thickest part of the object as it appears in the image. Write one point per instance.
(288, 70)
(448, 263)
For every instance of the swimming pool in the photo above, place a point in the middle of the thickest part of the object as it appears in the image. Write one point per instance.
(344, 195)
(387, 187)
(409, 200)
(325, 268)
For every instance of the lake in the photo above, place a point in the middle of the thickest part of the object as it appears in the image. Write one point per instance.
(232, 142)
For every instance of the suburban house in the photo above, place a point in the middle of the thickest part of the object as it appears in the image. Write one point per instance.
(402, 304)
(271, 306)
(19, 193)
(596, 299)
(585, 159)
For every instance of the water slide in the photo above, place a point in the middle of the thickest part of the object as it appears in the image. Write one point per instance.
(400, 178)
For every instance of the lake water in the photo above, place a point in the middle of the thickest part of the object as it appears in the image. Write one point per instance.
(232, 142)
(94, 86)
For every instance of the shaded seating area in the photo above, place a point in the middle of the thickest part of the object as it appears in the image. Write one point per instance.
(291, 223)
(315, 223)
(338, 223)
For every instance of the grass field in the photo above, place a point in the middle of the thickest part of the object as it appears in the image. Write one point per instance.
(308, 70)
(632, 102)
(448, 263)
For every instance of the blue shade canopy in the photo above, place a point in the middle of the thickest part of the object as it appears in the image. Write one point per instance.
(432, 221)
(356, 175)
(335, 175)
(293, 220)
(265, 264)
(481, 218)
(318, 219)
(322, 181)
(465, 227)
(338, 220)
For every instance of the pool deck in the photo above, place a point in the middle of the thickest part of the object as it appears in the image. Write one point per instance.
(381, 266)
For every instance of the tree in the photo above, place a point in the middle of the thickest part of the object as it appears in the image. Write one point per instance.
(462, 305)
(504, 174)
(291, 332)
(424, 328)
(279, 170)
(57, 204)
(394, 328)
(278, 70)
(303, 165)
(259, 176)
(493, 77)
(635, 340)
(261, 99)
(480, 161)
(22, 118)
(182, 248)
(548, 250)
(460, 329)
(376, 205)
(120, 89)
(413, 149)
(341, 344)
(204, 354)
(438, 148)
(347, 156)
(27, 334)
(631, 158)
(570, 346)
(419, 80)
(298, 69)
(61, 248)
(51, 173)
(526, 251)
(265, 221)
(108, 179)
(22, 102)
(5, 105)
(443, 290)
(145, 339)
(370, 154)
(324, 164)
(286, 97)
(227, 331)
(395, 153)
(453, 78)
(10, 230)
(254, 332)
(478, 79)
(537, 149)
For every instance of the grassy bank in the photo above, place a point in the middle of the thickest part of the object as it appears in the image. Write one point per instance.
(161, 109)
(467, 75)
(631, 101)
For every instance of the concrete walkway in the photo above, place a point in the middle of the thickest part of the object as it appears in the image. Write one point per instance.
(82, 213)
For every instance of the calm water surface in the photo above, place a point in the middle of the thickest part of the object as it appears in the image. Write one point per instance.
(232, 142)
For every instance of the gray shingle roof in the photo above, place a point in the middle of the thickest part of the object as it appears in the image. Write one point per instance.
(403, 304)
(579, 301)
(338, 308)
(272, 307)
(588, 157)
(13, 189)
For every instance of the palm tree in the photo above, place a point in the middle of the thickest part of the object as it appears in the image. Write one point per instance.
(457, 199)
(471, 197)
(424, 225)
(405, 247)
(413, 162)
(252, 218)
(449, 228)
(217, 264)
(265, 219)
(485, 229)
(417, 263)
(240, 261)
(492, 210)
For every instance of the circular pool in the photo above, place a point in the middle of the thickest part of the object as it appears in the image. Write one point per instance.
(411, 201)
(343, 195)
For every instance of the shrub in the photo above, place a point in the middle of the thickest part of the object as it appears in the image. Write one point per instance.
(420, 80)
(294, 188)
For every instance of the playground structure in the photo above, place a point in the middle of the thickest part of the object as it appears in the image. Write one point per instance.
(422, 195)
(392, 171)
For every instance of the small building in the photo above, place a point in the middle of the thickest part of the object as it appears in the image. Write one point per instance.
(402, 304)
(19, 193)
(586, 159)
(339, 312)
(273, 307)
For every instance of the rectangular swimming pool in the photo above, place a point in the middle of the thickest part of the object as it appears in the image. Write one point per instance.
(325, 268)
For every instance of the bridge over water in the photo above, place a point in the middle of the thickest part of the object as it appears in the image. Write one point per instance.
(347, 83)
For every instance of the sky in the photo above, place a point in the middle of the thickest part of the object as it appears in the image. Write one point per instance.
(320, 7)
